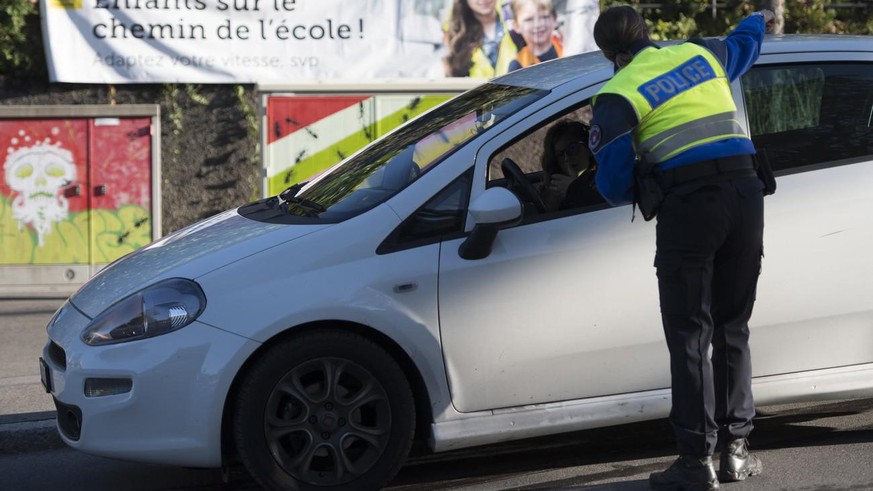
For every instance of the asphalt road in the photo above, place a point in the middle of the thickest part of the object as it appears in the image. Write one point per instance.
(22, 337)
(807, 447)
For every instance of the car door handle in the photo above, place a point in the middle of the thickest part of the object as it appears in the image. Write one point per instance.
(405, 287)
(100, 190)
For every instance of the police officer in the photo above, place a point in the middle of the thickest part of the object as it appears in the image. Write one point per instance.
(671, 108)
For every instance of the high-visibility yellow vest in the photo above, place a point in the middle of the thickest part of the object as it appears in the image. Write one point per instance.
(506, 52)
(682, 98)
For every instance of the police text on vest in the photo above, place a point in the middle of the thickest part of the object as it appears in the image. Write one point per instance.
(687, 75)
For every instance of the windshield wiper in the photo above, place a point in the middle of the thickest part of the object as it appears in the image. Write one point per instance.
(305, 203)
(289, 195)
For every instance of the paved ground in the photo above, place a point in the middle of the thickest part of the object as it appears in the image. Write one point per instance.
(22, 337)
(27, 417)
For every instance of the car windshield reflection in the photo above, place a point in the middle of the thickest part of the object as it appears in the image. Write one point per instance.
(390, 164)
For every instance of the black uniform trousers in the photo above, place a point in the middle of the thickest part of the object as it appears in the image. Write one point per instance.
(709, 249)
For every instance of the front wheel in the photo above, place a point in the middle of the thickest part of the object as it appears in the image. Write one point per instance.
(324, 410)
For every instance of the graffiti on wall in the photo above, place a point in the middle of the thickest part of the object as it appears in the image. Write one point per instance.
(74, 191)
(36, 172)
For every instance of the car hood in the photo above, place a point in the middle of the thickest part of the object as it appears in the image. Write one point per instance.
(187, 253)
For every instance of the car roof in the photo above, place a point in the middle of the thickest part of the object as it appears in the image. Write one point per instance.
(554, 73)
(812, 43)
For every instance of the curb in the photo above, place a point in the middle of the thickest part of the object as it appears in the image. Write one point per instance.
(29, 432)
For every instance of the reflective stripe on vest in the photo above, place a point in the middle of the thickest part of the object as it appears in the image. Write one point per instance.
(694, 88)
(676, 140)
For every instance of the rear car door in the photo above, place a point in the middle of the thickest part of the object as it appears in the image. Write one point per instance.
(813, 121)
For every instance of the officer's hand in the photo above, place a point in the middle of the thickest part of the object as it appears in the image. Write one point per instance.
(769, 19)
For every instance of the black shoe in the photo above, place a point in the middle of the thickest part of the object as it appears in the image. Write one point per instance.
(686, 474)
(737, 463)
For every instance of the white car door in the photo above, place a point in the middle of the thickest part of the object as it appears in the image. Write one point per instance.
(563, 308)
(814, 122)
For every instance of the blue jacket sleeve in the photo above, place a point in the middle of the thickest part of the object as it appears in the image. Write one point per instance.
(615, 178)
(611, 141)
(739, 50)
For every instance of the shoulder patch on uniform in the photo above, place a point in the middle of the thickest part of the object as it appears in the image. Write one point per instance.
(594, 137)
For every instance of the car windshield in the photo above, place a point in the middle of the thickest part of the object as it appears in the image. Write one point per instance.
(388, 165)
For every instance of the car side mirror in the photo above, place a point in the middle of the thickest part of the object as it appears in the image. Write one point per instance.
(495, 208)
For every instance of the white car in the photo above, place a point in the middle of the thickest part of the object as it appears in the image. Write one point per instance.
(414, 292)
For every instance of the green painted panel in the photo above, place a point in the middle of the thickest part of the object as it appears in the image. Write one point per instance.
(117, 232)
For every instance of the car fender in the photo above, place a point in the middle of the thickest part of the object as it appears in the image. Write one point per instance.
(334, 276)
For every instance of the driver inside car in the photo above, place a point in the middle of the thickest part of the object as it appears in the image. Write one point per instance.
(568, 168)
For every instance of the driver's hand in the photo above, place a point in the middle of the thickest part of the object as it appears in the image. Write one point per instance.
(559, 184)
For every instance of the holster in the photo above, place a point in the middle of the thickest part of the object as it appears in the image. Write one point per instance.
(765, 172)
(648, 194)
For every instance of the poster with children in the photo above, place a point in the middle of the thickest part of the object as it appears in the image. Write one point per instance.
(277, 41)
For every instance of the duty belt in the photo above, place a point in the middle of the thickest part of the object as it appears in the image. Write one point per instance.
(727, 167)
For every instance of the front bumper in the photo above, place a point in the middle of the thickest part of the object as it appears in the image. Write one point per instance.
(174, 389)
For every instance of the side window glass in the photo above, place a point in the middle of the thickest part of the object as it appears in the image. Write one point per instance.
(442, 216)
(550, 169)
(803, 114)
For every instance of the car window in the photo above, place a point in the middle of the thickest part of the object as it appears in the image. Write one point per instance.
(801, 115)
(554, 161)
(440, 218)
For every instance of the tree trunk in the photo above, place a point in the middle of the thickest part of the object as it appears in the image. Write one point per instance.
(778, 8)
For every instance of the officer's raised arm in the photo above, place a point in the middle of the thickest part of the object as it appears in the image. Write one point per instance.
(743, 44)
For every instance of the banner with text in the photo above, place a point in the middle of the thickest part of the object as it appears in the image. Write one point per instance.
(264, 41)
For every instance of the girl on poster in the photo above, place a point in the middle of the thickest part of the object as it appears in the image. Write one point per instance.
(478, 40)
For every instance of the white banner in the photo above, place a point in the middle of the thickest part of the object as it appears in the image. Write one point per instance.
(261, 41)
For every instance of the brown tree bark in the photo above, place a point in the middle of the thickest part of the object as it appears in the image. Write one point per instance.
(778, 8)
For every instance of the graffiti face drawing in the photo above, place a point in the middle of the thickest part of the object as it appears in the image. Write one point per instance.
(37, 173)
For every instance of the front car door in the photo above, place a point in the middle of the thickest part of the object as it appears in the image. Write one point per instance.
(565, 307)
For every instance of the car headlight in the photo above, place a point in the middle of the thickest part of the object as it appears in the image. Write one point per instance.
(158, 309)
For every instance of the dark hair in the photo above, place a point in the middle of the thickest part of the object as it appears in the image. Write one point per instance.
(568, 129)
(616, 29)
(464, 35)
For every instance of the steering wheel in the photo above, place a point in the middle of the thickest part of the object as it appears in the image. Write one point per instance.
(528, 193)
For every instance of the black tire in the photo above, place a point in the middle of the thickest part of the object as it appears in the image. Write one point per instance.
(341, 414)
